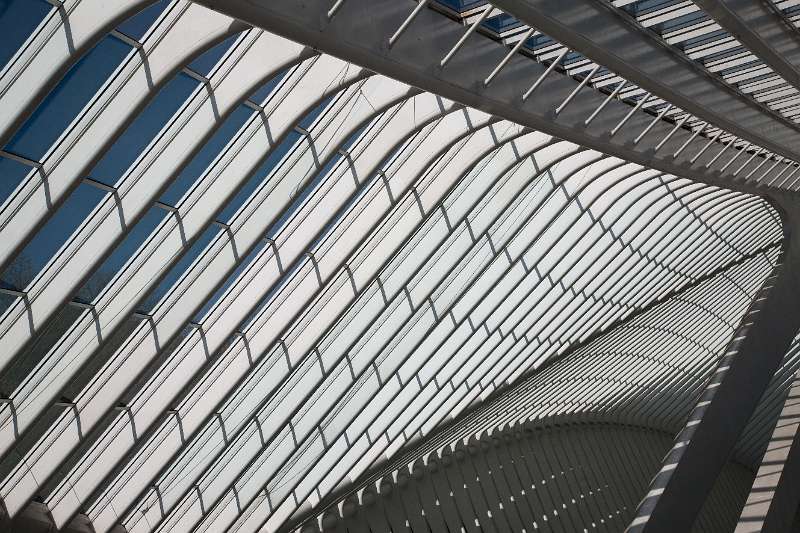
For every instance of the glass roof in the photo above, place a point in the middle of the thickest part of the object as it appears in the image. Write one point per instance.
(238, 274)
(687, 28)
(681, 24)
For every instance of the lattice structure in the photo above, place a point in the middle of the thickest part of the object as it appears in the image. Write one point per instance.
(255, 253)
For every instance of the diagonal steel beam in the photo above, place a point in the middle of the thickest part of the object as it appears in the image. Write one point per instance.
(759, 26)
(361, 31)
(703, 447)
(774, 495)
(611, 38)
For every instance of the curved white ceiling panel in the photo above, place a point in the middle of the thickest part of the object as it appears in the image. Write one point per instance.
(239, 273)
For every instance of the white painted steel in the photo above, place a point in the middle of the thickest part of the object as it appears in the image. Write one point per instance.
(407, 258)
(65, 33)
(188, 28)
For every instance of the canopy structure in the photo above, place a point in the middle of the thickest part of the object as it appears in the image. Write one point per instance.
(399, 265)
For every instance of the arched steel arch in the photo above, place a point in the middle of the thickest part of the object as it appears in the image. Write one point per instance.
(608, 382)
(358, 29)
(325, 33)
(414, 219)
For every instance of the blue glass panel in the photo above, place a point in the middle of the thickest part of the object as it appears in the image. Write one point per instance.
(572, 57)
(307, 121)
(304, 193)
(461, 5)
(137, 25)
(190, 174)
(259, 176)
(642, 7)
(195, 250)
(58, 229)
(143, 129)
(220, 292)
(5, 300)
(18, 19)
(754, 80)
(603, 71)
(316, 180)
(208, 59)
(345, 209)
(539, 41)
(502, 22)
(680, 22)
(354, 137)
(737, 68)
(64, 103)
(702, 39)
(11, 175)
(715, 57)
(261, 95)
(122, 253)
(18, 274)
